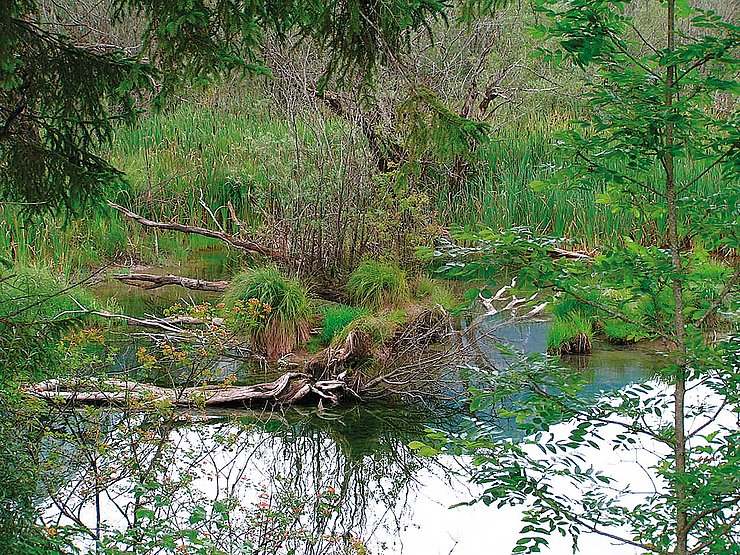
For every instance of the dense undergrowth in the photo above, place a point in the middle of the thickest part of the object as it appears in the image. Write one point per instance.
(37, 308)
(284, 177)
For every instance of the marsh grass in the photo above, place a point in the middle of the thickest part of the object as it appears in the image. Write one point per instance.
(272, 169)
(379, 327)
(623, 333)
(335, 318)
(376, 284)
(570, 335)
(434, 292)
(282, 321)
(499, 195)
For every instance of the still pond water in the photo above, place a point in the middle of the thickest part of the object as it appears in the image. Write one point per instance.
(347, 475)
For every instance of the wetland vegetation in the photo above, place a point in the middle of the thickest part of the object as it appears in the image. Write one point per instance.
(369, 277)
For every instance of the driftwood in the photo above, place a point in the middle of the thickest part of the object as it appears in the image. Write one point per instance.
(291, 387)
(246, 245)
(168, 324)
(152, 281)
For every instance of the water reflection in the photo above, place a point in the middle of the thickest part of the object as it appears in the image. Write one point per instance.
(314, 483)
(300, 481)
(606, 368)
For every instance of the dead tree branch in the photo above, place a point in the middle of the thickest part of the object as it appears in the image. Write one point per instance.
(152, 281)
(246, 245)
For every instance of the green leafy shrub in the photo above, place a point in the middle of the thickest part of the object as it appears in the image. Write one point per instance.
(570, 334)
(336, 317)
(272, 309)
(374, 284)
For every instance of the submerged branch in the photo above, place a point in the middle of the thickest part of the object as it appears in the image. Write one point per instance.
(152, 281)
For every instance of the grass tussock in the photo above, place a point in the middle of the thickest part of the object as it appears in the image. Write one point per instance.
(570, 335)
(336, 317)
(375, 285)
(436, 293)
(378, 327)
(274, 310)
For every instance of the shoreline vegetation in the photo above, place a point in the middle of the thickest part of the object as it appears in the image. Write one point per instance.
(319, 208)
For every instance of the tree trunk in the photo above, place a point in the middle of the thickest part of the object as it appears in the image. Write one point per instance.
(674, 244)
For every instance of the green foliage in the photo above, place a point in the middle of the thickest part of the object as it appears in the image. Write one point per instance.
(287, 297)
(379, 327)
(21, 433)
(651, 134)
(436, 293)
(434, 132)
(58, 104)
(376, 284)
(272, 309)
(559, 426)
(571, 334)
(59, 98)
(400, 218)
(36, 309)
(336, 317)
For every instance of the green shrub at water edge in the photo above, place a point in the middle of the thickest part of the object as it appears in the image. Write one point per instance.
(336, 318)
(570, 334)
(374, 284)
(281, 320)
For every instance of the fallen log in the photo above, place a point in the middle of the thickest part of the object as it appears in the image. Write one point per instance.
(169, 324)
(335, 294)
(152, 281)
(246, 245)
(291, 387)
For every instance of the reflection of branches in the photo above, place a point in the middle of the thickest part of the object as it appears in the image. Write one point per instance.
(113, 474)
